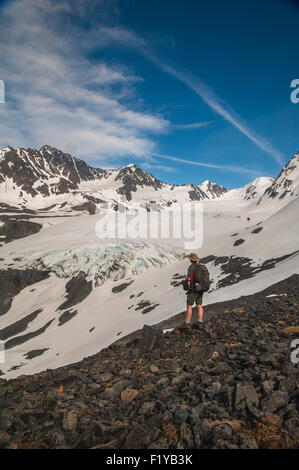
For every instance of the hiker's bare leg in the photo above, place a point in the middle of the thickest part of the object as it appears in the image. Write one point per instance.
(189, 313)
(200, 312)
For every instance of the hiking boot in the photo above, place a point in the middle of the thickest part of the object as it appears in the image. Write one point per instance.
(185, 326)
(197, 324)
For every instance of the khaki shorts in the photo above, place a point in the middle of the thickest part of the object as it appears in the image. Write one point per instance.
(194, 297)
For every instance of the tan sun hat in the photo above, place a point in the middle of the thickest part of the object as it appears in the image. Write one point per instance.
(193, 257)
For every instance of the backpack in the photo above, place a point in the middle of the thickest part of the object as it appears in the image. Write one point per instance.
(202, 277)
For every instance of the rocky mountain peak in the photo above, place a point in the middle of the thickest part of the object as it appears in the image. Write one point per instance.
(132, 165)
(48, 148)
(213, 190)
(49, 171)
(133, 177)
(285, 187)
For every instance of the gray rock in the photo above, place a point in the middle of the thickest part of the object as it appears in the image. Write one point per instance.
(6, 419)
(147, 407)
(181, 413)
(268, 358)
(94, 386)
(253, 411)
(222, 431)
(166, 393)
(111, 392)
(154, 369)
(102, 378)
(271, 374)
(125, 372)
(148, 338)
(244, 394)
(163, 381)
(160, 444)
(205, 428)
(137, 438)
(222, 444)
(207, 381)
(175, 367)
(177, 379)
(267, 386)
(249, 443)
(220, 368)
(195, 414)
(213, 388)
(70, 421)
(263, 375)
(274, 401)
(57, 438)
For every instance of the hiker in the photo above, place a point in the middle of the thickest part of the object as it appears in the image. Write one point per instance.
(196, 283)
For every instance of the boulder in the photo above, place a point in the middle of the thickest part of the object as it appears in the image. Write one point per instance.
(244, 394)
(148, 338)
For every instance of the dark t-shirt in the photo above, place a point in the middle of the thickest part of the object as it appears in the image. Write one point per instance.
(191, 269)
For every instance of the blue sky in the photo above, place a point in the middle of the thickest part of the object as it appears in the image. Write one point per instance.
(188, 90)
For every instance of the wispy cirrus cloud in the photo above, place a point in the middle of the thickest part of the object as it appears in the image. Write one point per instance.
(202, 89)
(155, 166)
(58, 95)
(191, 126)
(231, 168)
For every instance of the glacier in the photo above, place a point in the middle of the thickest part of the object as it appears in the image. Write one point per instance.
(114, 261)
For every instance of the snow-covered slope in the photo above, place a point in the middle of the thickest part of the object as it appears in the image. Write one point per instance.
(251, 192)
(271, 193)
(285, 187)
(131, 283)
(275, 235)
(98, 290)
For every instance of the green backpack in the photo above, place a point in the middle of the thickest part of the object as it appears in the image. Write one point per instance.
(202, 277)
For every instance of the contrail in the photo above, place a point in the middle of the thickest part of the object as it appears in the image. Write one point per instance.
(232, 168)
(217, 104)
(193, 125)
(198, 86)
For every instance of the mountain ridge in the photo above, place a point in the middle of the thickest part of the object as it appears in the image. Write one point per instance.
(27, 175)
(30, 174)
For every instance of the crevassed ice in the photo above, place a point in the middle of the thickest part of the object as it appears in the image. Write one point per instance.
(114, 261)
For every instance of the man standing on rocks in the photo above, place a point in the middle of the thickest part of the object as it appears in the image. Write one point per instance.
(198, 280)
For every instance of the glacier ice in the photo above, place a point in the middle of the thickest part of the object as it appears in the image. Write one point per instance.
(113, 261)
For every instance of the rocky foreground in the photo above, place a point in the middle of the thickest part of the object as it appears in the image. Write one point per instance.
(231, 384)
